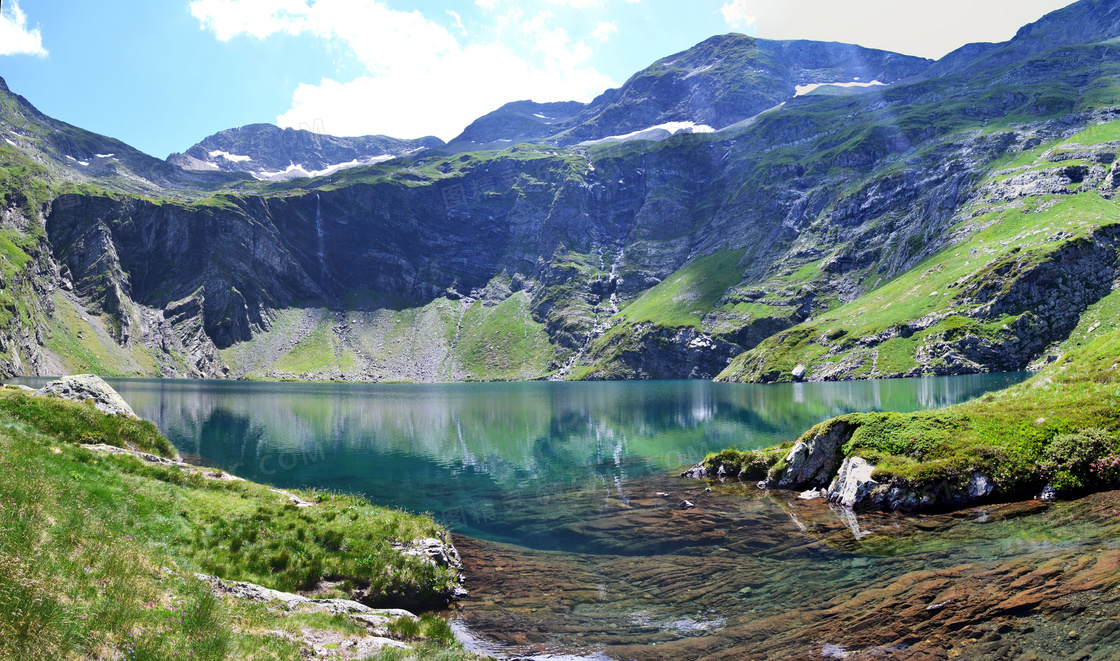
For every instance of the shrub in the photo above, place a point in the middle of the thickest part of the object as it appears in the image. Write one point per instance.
(1080, 460)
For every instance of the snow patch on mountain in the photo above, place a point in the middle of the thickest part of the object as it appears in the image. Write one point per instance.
(805, 89)
(294, 171)
(654, 133)
(233, 158)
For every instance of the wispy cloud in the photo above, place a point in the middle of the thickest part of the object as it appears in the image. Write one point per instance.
(604, 30)
(738, 15)
(15, 36)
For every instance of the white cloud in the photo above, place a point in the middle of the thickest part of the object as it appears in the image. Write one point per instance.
(604, 30)
(575, 4)
(929, 29)
(420, 80)
(738, 15)
(15, 37)
(458, 21)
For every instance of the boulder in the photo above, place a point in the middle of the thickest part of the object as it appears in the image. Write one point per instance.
(81, 387)
(811, 463)
(853, 483)
(436, 551)
(798, 372)
(697, 472)
(979, 486)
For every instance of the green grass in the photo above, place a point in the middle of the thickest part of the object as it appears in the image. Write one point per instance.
(1096, 134)
(74, 422)
(683, 298)
(97, 552)
(503, 343)
(1003, 244)
(315, 352)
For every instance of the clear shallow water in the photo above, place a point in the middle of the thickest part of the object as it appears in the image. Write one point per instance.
(565, 505)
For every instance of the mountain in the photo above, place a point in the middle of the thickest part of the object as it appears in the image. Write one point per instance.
(958, 219)
(1082, 23)
(520, 121)
(717, 83)
(74, 154)
(274, 154)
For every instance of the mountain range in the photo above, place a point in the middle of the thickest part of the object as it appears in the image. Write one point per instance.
(747, 210)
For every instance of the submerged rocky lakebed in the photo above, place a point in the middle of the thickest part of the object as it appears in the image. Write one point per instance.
(568, 517)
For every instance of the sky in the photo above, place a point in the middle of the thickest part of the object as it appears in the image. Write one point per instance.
(163, 74)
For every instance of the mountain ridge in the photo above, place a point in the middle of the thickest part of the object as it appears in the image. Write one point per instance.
(270, 153)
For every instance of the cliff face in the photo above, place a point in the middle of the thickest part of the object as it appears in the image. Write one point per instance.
(945, 223)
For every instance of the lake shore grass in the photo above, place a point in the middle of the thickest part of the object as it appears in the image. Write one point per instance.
(99, 551)
(1058, 429)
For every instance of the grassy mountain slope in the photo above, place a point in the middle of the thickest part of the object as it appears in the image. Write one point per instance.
(1020, 269)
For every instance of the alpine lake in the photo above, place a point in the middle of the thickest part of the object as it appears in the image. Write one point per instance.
(564, 501)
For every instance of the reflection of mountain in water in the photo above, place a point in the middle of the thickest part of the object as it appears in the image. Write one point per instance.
(510, 430)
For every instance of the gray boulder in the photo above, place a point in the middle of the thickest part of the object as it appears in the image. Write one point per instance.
(812, 463)
(80, 387)
(852, 483)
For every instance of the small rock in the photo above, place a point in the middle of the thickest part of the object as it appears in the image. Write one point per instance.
(707, 490)
(811, 494)
(661, 494)
(979, 486)
(686, 505)
(697, 472)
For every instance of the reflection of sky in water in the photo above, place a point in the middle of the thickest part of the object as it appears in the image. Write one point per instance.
(472, 449)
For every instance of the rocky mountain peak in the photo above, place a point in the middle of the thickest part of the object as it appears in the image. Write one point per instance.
(269, 152)
(1081, 23)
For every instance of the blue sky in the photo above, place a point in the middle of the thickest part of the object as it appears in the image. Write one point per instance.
(163, 74)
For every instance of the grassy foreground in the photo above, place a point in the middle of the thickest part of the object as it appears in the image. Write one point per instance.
(98, 552)
(1059, 428)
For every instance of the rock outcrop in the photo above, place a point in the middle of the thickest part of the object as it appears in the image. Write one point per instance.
(814, 459)
(852, 482)
(324, 643)
(82, 387)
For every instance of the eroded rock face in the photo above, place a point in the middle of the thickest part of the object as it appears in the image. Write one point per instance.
(852, 483)
(82, 387)
(813, 462)
(855, 488)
